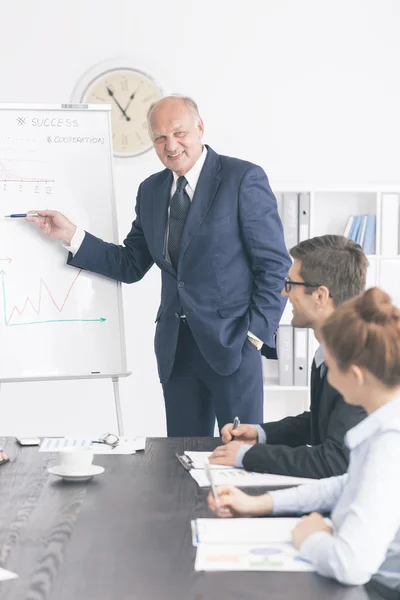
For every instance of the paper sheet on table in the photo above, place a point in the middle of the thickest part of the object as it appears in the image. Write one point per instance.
(126, 445)
(242, 478)
(246, 531)
(249, 557)
(199, 458)
(7, 575)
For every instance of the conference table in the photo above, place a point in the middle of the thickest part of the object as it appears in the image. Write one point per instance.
(124, 535)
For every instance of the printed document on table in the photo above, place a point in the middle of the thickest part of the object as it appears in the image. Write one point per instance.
(199, 458)
(246, 531)
(126, 445)
(249, 557)
(242, 478)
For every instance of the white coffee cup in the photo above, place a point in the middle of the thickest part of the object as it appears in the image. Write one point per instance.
(76, 459)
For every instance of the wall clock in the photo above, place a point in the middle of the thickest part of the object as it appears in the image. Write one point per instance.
(130, 92)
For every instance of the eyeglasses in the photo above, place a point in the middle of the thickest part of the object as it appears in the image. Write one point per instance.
(110, 439)
(290, 282)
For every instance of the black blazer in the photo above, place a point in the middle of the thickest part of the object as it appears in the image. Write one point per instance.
(288, 451)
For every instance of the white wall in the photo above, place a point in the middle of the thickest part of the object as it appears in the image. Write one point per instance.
(309, 90)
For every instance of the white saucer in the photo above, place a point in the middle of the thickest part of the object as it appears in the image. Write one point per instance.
(60, 472)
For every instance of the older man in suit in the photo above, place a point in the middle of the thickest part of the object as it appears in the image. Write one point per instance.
(211, 224)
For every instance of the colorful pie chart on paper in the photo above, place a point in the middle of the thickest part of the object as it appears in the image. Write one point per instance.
(270, 551)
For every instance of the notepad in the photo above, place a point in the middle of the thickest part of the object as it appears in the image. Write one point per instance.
(126, 445)
(199, 458)
(242, 531)
(242, 478)
(246, 545)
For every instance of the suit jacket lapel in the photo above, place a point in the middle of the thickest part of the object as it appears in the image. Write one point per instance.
(206, 189)
(161, 199)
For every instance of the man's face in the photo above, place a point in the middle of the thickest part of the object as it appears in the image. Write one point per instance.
(304, 310)
(176, 135)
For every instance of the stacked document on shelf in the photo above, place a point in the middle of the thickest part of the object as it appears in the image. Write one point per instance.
(246, 545)
(127, 445)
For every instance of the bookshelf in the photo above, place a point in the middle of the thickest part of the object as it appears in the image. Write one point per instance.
(330, 208)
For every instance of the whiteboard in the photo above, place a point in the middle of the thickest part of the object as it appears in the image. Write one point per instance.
(56, 320)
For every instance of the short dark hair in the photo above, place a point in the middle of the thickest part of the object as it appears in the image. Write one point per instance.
(335, 262)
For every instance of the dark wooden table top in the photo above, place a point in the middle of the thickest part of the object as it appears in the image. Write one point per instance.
(125, 535)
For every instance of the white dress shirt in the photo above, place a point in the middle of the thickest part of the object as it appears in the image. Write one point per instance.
(364, 505)
(192, 178)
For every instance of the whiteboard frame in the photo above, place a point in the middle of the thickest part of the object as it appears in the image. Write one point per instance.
(66, 106)
(65, 377)
(84, 108)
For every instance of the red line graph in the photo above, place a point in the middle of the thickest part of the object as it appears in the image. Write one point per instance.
(28, 301)
(6, 175)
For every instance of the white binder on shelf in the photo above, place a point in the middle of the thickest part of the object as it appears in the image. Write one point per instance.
(360, 240)
(390, 225)
(290, 204)
(349, 224)
(300, 362)
(285, 354)
(304, 216)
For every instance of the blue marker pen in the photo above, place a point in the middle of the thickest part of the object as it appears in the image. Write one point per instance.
(21, 215)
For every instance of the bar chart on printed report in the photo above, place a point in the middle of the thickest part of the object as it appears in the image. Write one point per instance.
(60, 159)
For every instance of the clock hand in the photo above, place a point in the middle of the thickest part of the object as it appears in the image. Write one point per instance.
(131, 97)
(111, 93)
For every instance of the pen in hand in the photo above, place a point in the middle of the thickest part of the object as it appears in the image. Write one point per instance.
(236, 422)
(21, 215)
(213, 488)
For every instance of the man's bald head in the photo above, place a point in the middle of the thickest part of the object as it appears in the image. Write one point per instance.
(176, 129)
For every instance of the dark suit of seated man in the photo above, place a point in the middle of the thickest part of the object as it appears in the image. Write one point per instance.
(327, 271)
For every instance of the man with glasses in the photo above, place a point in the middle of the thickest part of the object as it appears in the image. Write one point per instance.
(326, 271)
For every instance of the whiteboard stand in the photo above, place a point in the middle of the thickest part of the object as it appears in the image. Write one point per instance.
(74, 171)
(115, 377)
(117, 402)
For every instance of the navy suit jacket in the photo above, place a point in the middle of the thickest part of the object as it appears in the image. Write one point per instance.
(231, 268)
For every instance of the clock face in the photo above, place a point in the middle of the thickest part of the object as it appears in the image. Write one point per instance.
(130, 93)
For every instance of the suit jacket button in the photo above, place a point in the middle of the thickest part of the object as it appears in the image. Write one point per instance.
(177, 315)
(181, 284)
